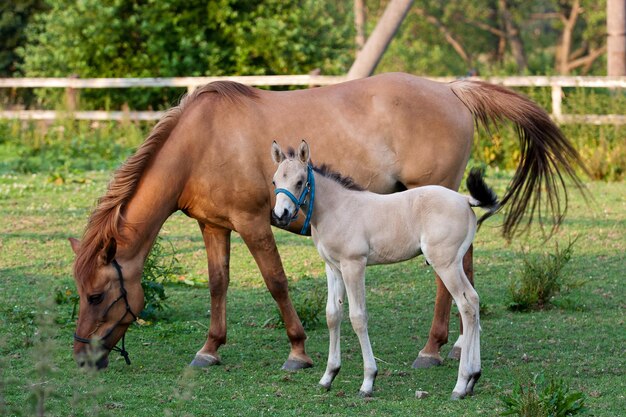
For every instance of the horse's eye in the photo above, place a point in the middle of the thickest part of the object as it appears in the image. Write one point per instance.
(95, 299)
(274, 183)
(299, 184)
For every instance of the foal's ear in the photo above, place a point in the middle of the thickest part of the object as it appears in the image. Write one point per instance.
(277, 154)
(304, 154)
(75, 243)
(107, 254)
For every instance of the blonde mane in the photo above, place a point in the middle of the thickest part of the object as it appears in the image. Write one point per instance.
(104, 221)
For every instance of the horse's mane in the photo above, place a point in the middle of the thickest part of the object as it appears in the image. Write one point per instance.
(104, 221)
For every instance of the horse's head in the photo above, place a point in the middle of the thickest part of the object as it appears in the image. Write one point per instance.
(291, 182)
(109, 302)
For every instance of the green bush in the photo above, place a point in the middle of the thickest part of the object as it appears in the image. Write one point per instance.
(541, 279)
(541, 398)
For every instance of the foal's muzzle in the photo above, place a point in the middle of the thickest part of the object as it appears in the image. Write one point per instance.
(283, 220)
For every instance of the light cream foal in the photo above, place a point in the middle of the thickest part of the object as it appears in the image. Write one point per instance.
(352, 229)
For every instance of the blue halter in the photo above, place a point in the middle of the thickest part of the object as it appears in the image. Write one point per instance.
(309, 188)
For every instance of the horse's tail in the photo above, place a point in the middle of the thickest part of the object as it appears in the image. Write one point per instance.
(547, 157)
(481, 194)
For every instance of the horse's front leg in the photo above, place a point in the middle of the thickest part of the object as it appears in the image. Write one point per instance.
(334, 315)
(438, 336)
(217, 243)
(354, 279)
(260, 240)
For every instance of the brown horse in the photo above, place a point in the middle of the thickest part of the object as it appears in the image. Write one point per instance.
(208, 158)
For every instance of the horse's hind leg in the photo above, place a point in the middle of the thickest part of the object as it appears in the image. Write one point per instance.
(334, 315)
(467, 301)
(217, 243)
(260, 240)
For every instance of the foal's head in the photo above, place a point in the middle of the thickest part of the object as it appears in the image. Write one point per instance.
(291, 176)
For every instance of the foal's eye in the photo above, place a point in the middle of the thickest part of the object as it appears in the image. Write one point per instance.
(299, 184)
(274, 183)
(95, 299)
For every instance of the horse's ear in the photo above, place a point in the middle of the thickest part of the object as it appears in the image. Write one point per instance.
(277, 154)
(304, 154)
(75, 243)
(108, 252)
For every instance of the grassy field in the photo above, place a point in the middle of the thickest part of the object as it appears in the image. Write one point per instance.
(582, 339)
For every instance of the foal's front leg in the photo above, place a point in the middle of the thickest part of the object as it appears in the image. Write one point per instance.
(334, 315)
(354, 279)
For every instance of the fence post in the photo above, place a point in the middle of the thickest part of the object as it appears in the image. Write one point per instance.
(71, 94)
(557, 93)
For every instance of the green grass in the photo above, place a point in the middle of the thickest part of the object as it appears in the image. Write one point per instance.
(581, 341)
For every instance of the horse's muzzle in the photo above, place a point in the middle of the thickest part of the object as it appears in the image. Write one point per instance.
(85, 359)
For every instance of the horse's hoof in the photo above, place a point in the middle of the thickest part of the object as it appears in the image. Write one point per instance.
(456, 396)
(423, 362)
(295, 365)
(365, 394)
(325, 387)
(202, 360)
(455, 353)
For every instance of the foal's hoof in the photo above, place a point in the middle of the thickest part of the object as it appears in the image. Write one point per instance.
(202, 360)
(295, 365)
(456, 396)
(455, 353)
(423, 362)
(325, 387)
(365, 394)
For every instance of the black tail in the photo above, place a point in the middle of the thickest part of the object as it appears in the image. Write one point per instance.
(481, 192)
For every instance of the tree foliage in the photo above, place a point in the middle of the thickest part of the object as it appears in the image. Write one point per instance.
(498, 37)
(151, 38)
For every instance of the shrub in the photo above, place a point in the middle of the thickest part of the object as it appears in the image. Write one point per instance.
(538, 398)
(541, 279)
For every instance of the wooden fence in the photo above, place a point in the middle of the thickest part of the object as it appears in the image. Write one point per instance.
(556, 84)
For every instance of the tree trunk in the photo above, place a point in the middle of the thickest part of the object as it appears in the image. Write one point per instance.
(513, 36)
(616, 41)
(375, 47)
(359, 24)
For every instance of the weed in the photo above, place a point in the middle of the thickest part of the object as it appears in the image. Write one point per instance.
(309, 300)
(42, 386)
(541, 398)
(541, 279)
(161, 266)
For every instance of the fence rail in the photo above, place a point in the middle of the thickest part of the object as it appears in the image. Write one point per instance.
(556, 84)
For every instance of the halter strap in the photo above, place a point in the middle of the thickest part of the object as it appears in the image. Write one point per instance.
(123, 296)
(309, 190)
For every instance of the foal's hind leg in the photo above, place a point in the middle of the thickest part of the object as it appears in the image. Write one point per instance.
(334, 315)
(468, 268)
(260, 240)
(217, 243)
(438, 336)
(467, 301)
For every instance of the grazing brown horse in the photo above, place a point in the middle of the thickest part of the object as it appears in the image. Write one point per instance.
(208, 158)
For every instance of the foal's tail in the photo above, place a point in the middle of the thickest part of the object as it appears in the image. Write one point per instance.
(481, 194)
(547, 157)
